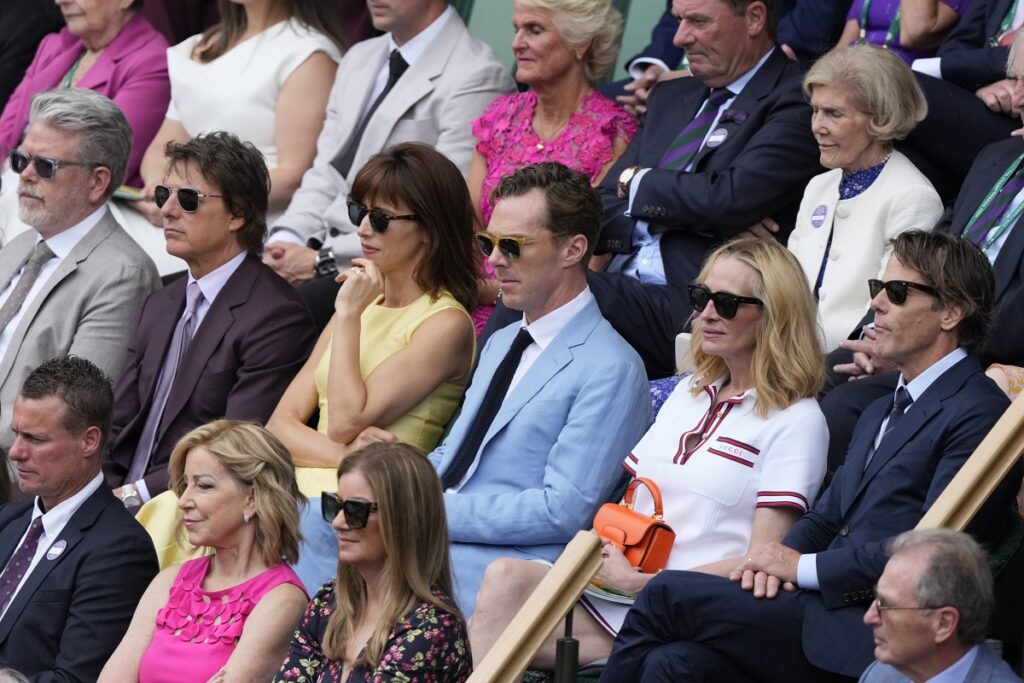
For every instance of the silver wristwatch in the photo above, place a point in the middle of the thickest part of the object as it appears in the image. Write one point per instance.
(130, 496)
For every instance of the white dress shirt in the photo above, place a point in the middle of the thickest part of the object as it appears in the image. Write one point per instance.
(54, 521)
(61, 245)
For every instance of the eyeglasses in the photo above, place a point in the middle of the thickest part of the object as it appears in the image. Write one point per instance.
(510, 247)
(379, 220)
(46, 167)
(188, 197)
(725, 303)
(885, 608)
(357, 512)
(896, 290)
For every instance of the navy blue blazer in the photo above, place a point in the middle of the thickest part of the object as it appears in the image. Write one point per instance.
(74, 609)
(760, 170)
(967, 59)
(661, 46)
(849, 526)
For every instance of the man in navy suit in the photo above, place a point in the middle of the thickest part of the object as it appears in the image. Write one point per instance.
(716, 154)
(75, 562)
(931, 310)
(931, 611)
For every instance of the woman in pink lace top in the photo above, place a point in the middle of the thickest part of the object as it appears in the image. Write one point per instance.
(561, 48)
(228, 615)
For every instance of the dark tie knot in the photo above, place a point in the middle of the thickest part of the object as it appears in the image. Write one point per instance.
(396, 66)
(719, 96)
(902, 401)
(522, 340)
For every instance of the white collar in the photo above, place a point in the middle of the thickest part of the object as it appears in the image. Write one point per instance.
(737, 86)
(64, 241)
(545, 328)
(214, 281)
(57, 517)
(418, 44)
(919, 384)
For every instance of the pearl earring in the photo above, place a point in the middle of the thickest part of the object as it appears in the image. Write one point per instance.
(245, 517)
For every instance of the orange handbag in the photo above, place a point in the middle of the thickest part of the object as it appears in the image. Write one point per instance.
(645, 541)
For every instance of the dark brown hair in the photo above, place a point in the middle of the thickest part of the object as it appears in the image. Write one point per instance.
(240, 174)
(961, 274)
(434, 189)
(573, 206)
(85, 391)
(316, 15)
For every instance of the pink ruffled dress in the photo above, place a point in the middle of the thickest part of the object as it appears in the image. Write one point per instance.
(507, 141)
(197, 630)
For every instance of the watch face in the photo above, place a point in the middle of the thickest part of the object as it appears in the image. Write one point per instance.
(627, 175)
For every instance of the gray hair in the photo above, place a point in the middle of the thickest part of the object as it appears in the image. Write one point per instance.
(105, 138)
(880, 84)
(12, 676)
(592, 24)
(957, 576)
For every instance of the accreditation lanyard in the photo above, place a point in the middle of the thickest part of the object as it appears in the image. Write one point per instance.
(894, 25)
(1005, 25)
(1009, 220)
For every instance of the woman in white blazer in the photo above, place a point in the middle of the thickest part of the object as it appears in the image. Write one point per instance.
(862, 99)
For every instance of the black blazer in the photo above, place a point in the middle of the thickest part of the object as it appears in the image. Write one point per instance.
(73, 610)
(967, 59)
(760, 170)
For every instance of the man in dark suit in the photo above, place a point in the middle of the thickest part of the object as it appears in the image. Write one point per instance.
(75, 562)
(223, 341)
(931, 312)
(717, 153)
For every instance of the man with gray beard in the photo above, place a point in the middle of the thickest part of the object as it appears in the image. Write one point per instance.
(74, 284)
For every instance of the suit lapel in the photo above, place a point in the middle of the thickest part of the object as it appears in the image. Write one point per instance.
(857, 453)
(160, 332)
(360, 85)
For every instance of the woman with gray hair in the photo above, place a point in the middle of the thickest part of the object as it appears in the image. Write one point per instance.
(561, 48)
(863, 98)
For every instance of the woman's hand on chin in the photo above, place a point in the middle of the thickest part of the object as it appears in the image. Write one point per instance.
(363, 284)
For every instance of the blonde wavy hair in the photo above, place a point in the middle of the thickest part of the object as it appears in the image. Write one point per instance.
(879, 83)
(259, 461)
(414, 531)
(593, 25)
(788, 362)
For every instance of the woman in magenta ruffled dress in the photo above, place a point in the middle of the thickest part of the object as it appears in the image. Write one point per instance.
(561, 47)
(228, 615)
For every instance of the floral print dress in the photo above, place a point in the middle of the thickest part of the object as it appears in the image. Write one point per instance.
(428, 645)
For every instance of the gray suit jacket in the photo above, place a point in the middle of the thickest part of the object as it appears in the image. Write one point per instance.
(987, 668)
(89, 307)
(434, 102)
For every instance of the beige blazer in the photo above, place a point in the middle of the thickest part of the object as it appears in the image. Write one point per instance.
(89, 307)
(435, 102)
(900, 199)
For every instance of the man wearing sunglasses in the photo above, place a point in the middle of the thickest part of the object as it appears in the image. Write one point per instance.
(222, 341)
(557, 396)
(76, 282)
(794, 610)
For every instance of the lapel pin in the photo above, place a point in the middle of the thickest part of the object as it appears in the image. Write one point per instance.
(818, 216)
(717, 137)
(56, 549)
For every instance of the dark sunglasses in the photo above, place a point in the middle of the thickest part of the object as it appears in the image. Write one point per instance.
(188, 197)
(379, 220)
(897, 290)
(510, 247)
(357, 512)
(725, 303)
(46, 167)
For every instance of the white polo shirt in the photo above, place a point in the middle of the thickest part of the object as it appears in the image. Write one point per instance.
(737, 462)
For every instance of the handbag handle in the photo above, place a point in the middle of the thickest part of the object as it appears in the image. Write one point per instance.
(627, 500)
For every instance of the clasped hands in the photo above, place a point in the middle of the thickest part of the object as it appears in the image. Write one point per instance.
(772, 567)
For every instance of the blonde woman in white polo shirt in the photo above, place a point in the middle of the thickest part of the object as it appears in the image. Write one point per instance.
(738, 450)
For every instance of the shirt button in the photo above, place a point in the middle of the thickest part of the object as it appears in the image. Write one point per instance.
(845, 531)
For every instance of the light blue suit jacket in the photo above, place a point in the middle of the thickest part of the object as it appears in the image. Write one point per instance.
(987, 668)
(553, 453)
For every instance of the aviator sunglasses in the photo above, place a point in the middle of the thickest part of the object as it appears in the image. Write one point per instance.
(357, 512)
(379, 220)
(46, 167)
(897, 290)
(510, 247)
(188, 197)
(725, 303)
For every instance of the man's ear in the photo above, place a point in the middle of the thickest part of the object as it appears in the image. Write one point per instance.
(947, 621)
(574, 248)
(757, 18)
(952, 316)
(91, 439)
(99, 181)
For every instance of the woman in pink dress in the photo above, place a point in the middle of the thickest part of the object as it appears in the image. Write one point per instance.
(228, 615)
(561, 47)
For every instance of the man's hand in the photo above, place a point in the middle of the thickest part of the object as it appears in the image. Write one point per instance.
(636, 101)
(866, 361)
(998, 96)
(616, 573)
(770, 568)
(765, 229)
(293, 262)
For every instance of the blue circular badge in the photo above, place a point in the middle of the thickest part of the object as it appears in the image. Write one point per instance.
(818, 216)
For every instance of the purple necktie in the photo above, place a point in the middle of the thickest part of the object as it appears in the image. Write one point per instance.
(686, 145)
(175, 352)
(20, 561)
(997, 209)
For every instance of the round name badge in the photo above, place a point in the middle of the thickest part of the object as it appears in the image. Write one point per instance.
(717, 137)
(56, 549)
(818, 216)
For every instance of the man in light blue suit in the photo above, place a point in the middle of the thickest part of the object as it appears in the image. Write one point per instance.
(557, 399)
(933, 603)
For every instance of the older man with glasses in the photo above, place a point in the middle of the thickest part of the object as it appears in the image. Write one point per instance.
(76, 282)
